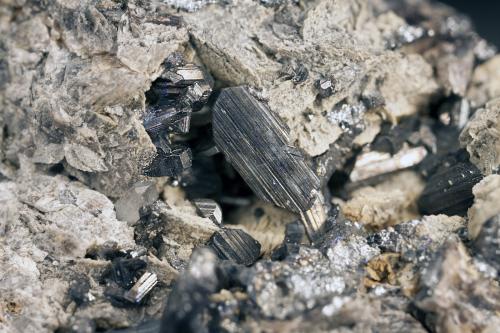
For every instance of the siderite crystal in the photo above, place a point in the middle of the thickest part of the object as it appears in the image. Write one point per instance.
(257, 144)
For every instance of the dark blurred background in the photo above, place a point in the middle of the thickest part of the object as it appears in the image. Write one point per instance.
(485, 15)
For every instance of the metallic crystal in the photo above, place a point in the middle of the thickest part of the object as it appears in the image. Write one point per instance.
(142, 287)
(235, 245)
(208, 208)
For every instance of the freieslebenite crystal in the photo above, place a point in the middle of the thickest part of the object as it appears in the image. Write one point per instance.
(181, 89)
(450, 191)
(235, 245)
(257, 144)
(208, 208)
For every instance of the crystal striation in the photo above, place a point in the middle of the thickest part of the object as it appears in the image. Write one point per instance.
(257, 144)
(235, 245)
(450, 191)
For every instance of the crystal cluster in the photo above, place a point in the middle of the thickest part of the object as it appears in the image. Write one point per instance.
(181, 89)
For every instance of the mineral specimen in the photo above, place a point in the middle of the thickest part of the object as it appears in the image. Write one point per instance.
(342, 120)
(374, 163)
(169, 163)
(181, 89)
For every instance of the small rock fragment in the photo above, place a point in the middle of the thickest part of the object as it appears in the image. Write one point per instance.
(388, 203)
(79, 290)
(187, 304)
(485, 82)
(455, 112)
(235, 245)
(210, 209)
(450, 191)
(325, 87)
(293, 236)
(141, 194)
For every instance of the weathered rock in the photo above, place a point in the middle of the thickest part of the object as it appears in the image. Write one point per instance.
(454, 296)
(486, 196)
(322, 29)
(388, 203)
(85, 99)
(481, 138)
(172, 232)
(47, 221)
(187, 305)
(484, 86)
(97, 93)
(487, 241)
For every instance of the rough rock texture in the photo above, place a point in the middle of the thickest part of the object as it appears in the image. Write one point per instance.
(47, 223)
(454, 295)
(481, 138)
(486, 197)
(340, 41)
(484, 85)
(387, 203)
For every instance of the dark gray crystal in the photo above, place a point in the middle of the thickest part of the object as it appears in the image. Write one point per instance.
(169, 163)
(257, 144)
(450, 191)
(235, 245)
(209, 208)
